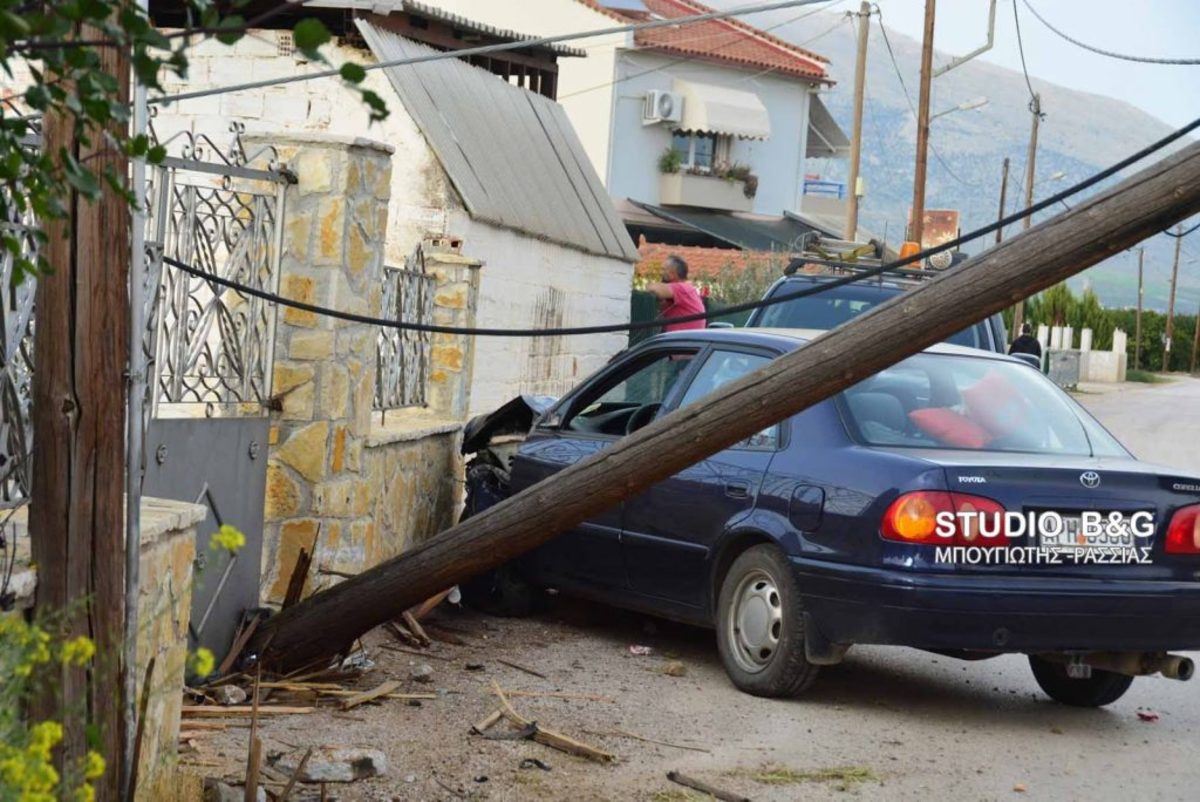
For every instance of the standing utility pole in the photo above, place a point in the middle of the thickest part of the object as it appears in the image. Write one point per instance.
(1035, 107)
(1003, 199)
(81, 343)
(917, 226)
(1137, 331)
(860, 80)
(1166, 363)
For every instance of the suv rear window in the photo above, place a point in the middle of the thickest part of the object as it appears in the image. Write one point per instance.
(940, 401)
(834, 307)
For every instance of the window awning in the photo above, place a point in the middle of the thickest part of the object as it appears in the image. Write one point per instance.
(826, 139)
(710, 109)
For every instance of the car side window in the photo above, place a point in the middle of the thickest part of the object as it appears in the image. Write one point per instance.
(627, 400)
(721, 367)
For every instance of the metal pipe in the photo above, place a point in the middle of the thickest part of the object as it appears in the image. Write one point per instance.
(136, 389)
(1134, 664)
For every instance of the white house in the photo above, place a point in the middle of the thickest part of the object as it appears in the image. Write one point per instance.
(733, 101)
(492, 163)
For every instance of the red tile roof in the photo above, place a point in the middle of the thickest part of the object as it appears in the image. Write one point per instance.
(726, 40)
(706, 264)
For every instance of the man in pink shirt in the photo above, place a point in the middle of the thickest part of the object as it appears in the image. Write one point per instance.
(677, 297)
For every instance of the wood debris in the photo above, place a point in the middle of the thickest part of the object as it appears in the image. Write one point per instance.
(547, 737)
(518, 667)
(705, 788)
(366, 696)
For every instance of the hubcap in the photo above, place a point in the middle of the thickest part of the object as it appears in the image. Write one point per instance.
(755, 621)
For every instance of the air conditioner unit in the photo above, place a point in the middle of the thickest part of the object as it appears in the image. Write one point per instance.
(662, 107)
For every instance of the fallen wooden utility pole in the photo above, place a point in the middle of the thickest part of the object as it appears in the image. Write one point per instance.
(1148, 202)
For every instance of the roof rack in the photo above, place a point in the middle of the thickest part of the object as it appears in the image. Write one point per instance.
(843, 257)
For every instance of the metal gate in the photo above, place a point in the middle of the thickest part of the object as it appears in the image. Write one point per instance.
(210, 351)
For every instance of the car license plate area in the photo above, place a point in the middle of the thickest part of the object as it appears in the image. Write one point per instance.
(1072, 535)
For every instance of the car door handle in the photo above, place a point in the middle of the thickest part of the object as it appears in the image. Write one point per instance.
(737, 489)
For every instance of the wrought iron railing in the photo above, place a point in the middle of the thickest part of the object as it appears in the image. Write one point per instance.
(403, 356)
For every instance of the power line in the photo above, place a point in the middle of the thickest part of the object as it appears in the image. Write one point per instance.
(911, 106)
(493, 48)
(1188, 62)
(1021, 49)
(1182, 234)
(1087, 183)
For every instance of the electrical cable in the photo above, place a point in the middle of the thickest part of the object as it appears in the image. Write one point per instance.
(1186, 62)
(1181, 234)
(1021, 49)
(492, 48)
(611, 328)
(912, 106)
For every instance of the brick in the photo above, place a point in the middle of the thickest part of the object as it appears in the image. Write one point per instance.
(332, 224)
(335, 391)
(314, 168)
(305, 450)
(293, 536)
(242, 104)
(337, 455)
(360, 255)
(288, 376)
(298, 404)
(297, 236)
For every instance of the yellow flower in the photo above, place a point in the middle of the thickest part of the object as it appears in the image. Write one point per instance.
(85, 793)
(228, 538)
(94, 766)
(203, 662)
(43, 737)
(78, 651)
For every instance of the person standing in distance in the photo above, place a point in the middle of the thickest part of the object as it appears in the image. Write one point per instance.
(676, 295)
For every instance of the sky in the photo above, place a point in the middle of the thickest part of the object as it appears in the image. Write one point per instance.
(1157, 28)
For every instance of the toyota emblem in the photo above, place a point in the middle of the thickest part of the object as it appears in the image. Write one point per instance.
(1089, 479)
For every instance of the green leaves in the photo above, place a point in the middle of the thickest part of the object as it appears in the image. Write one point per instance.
(352, 73)
(309, 35)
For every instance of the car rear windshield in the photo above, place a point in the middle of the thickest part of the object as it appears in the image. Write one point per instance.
(963, 402)
(831, 308)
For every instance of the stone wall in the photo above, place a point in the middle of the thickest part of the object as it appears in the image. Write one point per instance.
(164, 610)
(344, 482)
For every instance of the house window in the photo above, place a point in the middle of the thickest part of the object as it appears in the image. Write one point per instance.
(403, 355)
(702, 152)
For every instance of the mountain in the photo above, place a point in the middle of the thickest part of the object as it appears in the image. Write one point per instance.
(1080, 134)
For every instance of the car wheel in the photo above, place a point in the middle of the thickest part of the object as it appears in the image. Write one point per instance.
(1102, 688)
(760, 626)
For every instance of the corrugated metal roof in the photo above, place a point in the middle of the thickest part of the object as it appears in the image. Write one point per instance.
(753, 232)
(385, 7)
(511, 154)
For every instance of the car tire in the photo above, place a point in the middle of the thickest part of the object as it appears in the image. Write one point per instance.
(1102, 688)
(760, 626)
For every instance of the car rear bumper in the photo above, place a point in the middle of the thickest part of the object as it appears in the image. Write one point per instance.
(855, 604)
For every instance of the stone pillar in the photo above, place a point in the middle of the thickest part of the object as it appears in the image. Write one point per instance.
(1068, 338)
(454, 304)
(324, 378)
(1085, 340)
(1120, 341)
(1056, 338)
(1043, 336)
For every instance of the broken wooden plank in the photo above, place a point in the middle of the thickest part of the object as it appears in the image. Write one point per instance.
(433, 601)
(414, 626)
(1097, 227)
(555, 740)
(643, 739)
(299, 577)
(287, 789)
(586, 697)
(253, 764)
(705, 788)
(242, 711)
(366, 696)
(487, 722)
(518, 667)
(391, 647)
(243, 636)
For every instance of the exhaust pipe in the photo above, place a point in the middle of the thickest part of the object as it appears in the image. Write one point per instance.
(1134, 664)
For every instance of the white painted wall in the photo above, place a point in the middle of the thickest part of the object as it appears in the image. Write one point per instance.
(777, 161)
(585, 85)
(518, 270)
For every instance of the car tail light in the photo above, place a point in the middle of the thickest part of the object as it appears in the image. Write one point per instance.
(1183, 534)
(941, 518)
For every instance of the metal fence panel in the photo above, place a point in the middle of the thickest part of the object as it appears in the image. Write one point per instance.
(402, 356)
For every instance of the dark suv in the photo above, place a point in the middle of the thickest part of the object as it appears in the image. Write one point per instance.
(835, 306)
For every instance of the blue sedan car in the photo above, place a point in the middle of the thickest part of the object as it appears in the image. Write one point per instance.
(957, 502)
